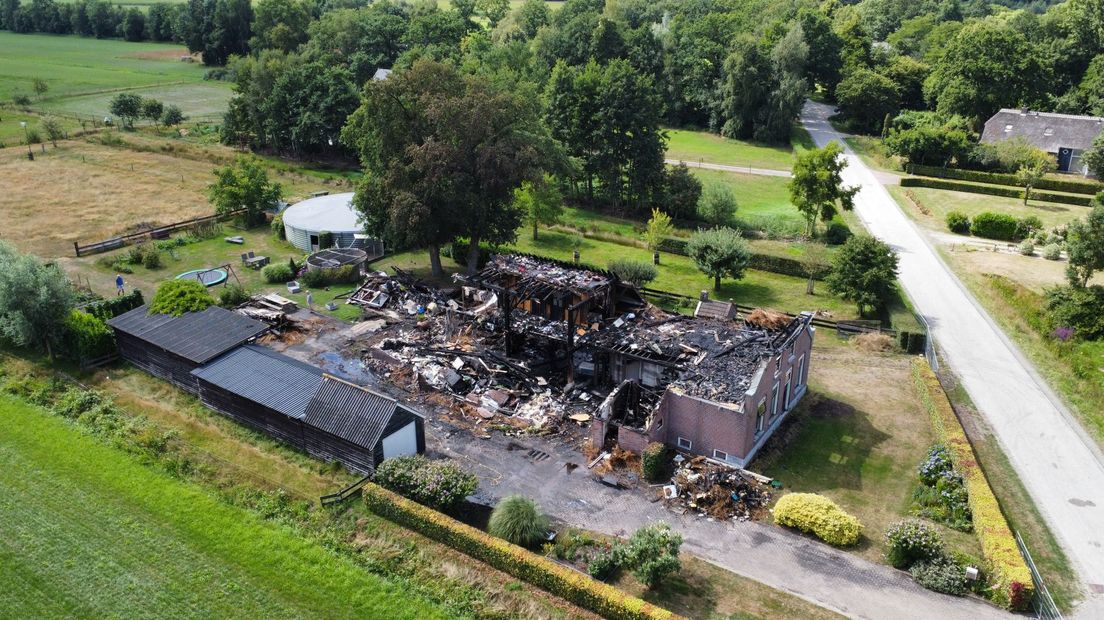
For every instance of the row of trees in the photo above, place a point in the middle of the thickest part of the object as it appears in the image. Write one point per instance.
(128, 107)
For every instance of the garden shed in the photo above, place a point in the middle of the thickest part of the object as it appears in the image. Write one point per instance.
(305, 221)
(171, 347)
(359, 427)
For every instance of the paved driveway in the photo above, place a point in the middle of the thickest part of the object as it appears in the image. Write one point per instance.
(538, 468)
(1057, 462)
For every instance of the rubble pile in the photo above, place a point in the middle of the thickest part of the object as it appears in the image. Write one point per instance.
(716, 491)
(400, 293)
(546, 271)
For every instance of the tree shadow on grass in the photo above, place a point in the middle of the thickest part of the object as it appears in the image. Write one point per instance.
(825, 444)
(690, 595)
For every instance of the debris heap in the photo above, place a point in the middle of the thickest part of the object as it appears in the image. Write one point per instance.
(716, 491)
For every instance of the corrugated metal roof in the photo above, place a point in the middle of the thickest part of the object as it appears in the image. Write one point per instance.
(195, 336)
(266, 377)
(350, 411)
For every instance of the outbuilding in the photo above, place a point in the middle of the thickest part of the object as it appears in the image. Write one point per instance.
(171, 347)
(297, 403)
(305, 221)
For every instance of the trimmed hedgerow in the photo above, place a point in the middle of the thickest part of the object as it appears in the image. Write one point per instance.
(995, 178)
(1000, 226)
(819, 516)
(994, 190)
(575, 587)
(1006, 568)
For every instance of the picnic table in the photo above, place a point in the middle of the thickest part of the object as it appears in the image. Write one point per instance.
(256, 262)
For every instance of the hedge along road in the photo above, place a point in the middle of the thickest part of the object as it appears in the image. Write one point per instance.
(1060, 465)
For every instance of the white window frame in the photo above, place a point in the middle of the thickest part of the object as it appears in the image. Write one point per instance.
(717, 455)
(760, 416)
(787, 392)
(774, 399)
(800, 371)
(684, 443)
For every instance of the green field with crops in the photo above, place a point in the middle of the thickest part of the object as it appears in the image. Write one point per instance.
(83, 74)
(88, 531)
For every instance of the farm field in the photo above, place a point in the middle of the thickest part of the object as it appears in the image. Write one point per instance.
(87, 191)
(78, 66)
(88, 531)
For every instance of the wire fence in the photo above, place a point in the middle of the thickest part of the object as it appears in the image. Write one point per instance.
(1043, 603)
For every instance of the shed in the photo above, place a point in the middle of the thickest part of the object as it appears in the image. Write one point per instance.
(171, 347)
(359, 427)
(1066, 136)
(261, 389)
(305, 221)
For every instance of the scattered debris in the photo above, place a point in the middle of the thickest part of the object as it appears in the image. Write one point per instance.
(717, 491)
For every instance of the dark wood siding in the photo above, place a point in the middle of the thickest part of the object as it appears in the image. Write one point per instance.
(157, 361)
(322, 445)
(257, 416)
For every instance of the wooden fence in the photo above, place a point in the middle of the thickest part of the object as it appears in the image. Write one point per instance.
(161, 232)
(344, 494)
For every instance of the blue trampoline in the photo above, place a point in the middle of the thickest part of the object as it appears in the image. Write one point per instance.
(206, 277)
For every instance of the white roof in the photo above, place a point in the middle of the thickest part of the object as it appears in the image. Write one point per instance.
(333, 213)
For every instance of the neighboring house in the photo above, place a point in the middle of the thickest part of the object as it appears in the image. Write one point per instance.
(714, 388)
(172, 347)
(326, 417)
(1065, 136)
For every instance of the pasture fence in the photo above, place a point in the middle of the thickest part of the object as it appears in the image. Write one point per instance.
(160, 232)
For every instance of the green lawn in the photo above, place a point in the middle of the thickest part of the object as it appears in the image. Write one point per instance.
(703, 146)
(12, 133)
(74, 66)
(87, 531)
(938, 202)
(758, 198)
(198, 101)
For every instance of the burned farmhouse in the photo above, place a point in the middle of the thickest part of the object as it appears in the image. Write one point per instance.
(534, 343)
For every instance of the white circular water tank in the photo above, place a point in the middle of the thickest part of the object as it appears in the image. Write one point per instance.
(304, 221)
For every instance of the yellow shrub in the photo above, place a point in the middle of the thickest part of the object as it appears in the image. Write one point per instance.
(820, 516)
(1006, 567)
(604, 600)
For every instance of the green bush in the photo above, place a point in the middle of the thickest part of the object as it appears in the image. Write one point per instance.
(177, 297)
(958, 222)
(652, 461)
(1026, 226)
(233, 295)
(819, 516)
(87, 336)
(313, 278)
(1052, 251)
(908, 542)
(1027, 248)
(152, 259)
(992, 225)
(325, 240)
(652, 553)
(634, 272)
(277, 273)
(436, 484)
(1078, 309)
(941, 574)
(278, 226)
(605, 563)
(112, 307)
(602, 599)
(518, 520)
(837, 234)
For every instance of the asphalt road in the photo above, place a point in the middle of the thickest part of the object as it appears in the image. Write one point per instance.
(1060, 465)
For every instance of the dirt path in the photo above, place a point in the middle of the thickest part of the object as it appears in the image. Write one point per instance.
(1062, 467)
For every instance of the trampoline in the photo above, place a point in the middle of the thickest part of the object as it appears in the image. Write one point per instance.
(206, 277)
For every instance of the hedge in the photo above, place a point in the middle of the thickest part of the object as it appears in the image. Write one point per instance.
(112, 307)
(994, 190)
(999, 226)
(575, 587)
(1007, 570)
(996, 178)
(819, 516)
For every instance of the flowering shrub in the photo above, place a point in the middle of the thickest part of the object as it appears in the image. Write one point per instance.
(941, 574)
(911, 541)
(820, 516)
(942, 494)
(1007, 571)
(436, 484)
(1062, 334)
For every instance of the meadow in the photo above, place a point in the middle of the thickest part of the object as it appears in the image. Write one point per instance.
(90, 532)
(76, 67)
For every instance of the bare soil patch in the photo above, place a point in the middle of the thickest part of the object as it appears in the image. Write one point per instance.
(174, 53)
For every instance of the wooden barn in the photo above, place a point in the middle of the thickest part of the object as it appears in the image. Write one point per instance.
(359, 427)
(172, 347)
(295, 402)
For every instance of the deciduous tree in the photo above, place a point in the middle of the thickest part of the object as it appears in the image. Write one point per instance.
(718, 204)
(817, 189)
(35, 300)
(52, 127)
(540, 202)
(1085, 245)
(864, 272)
(244, 185)
(719, 253)
(127, 107)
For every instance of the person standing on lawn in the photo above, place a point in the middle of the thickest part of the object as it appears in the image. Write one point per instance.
(120, 285)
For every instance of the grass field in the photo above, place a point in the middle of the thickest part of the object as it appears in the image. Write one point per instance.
(87, 531)
(703, 146)
(76, 67)
(757, 196)
(939, 202)
(858, 439)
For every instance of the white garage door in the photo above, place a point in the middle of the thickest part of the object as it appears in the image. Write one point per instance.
(401, 442)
